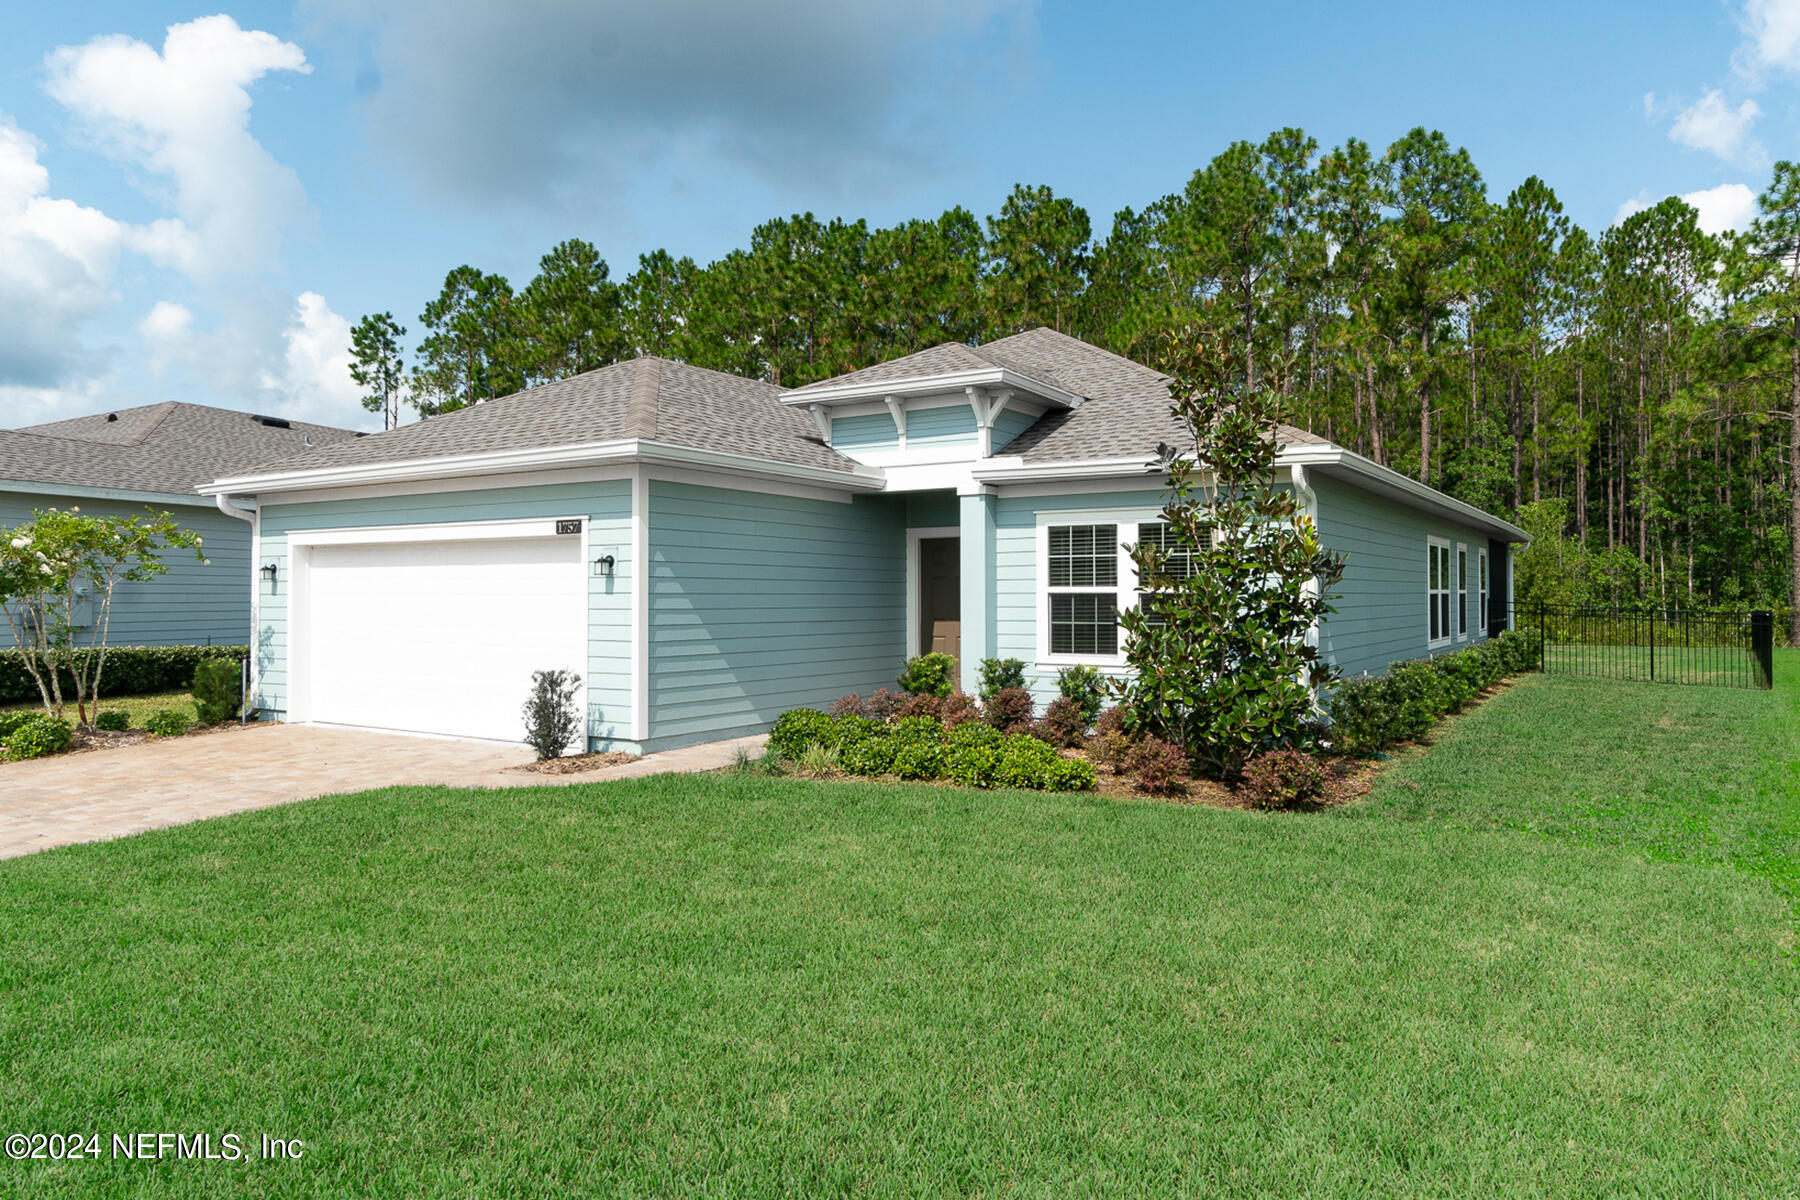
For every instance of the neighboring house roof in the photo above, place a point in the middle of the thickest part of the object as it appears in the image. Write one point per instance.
(168, 449)
(651, 399)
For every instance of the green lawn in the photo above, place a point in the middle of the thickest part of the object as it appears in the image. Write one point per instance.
(137, 708)
(1525, 967)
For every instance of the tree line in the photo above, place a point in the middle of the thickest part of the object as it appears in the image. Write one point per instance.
(1632, 395)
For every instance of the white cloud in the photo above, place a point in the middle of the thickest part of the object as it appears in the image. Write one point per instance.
(1711, 124)
(313, 379)
(56, 264)
(1771, 38)
(1728, 206)
(183, 116)
(543, 100)
(167, 332)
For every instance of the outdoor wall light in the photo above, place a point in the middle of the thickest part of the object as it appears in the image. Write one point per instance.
(268, 574)
(603, 566)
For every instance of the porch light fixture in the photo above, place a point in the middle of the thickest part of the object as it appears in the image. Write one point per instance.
(603, 566)
(268, 574)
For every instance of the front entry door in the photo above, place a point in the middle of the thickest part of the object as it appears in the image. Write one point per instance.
(940, 596)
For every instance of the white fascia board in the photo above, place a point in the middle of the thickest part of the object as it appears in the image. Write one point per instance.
(127, 495)
(953, 381)
(1372, 476)
(1002, 470)
(625, 450)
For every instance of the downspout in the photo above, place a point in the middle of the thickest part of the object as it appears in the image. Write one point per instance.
(1309, 507)
(253, 515)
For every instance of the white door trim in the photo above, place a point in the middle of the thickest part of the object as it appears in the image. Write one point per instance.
(914, 583)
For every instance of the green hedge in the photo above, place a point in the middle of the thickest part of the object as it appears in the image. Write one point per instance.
(129, 671)
(1369, 715)
(971, 754)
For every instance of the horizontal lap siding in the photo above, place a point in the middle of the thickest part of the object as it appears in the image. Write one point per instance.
(1381, 614)
(762, 603)
(953, 425)
(1015, 569)
(193, 603)
(932, 510)
(607, 507)
(871, 431)
(1009, 425)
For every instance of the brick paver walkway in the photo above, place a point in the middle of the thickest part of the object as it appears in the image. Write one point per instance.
(109, 793)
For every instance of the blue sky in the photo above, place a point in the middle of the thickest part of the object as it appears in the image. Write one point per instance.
(195, 204)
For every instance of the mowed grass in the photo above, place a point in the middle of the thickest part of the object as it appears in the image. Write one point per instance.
(137, 709)
(742, 986)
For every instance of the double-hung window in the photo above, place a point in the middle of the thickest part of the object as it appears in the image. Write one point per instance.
(1437, 590)
(1083, 590)
(1462, 591)
(1088, 578)
(1482, 590)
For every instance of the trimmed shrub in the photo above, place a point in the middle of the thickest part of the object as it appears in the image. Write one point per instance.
(1110, 750)
(1161, 767)
(38, 737)
(1282, 779)
(1111, 721)
(1370, 715)
(1009, 710)
(219, 690)
(919, 705)
(12, 720)
(915, 731)
(1026, 762)
(959, 709)
(847, 729)
(168, 722)
(1084, 685)
(999, 674)
(129, 670)
(919, 760)
(113, 720)
(1070, 775)
(846, 706)
(552, 719)
(974, 764)
(883, 704)
(1064, 722)
(974, 733)
(932, 674)
(798, 728)
(870, 753)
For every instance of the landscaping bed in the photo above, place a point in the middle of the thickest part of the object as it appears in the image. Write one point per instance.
(575, 764)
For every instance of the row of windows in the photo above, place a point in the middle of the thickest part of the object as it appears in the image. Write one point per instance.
(1084, 594)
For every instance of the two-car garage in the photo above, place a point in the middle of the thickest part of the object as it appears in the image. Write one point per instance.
(434, 629)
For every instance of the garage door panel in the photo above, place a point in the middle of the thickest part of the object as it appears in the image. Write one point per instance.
(441, 637)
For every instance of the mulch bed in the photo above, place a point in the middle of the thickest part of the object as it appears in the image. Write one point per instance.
(1347, 780)
(86, 740)
(574, 764)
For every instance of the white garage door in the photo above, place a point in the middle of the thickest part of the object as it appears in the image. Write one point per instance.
(441, 637)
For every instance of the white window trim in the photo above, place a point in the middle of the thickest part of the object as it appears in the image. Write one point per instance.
(1126, 588)
(1433, 544)
(1460, 561)
(1484, 583)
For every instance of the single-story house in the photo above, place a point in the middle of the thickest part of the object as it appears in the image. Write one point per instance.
(151, 459)
(708, 551)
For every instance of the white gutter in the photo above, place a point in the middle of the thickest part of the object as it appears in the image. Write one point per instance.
(1330, 458)
(952, 381)
(232, 509)
(501, 462)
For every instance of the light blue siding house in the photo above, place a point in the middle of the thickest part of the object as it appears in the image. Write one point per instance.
(151, 459)
(708, 551)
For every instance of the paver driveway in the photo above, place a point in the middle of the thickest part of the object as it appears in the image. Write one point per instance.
(106, 793)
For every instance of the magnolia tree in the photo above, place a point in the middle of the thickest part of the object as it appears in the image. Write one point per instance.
(1222, 665)
(58, 573)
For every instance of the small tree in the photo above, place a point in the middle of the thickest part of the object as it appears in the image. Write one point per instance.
(551, 718)
(1221, 662)
(58, 573)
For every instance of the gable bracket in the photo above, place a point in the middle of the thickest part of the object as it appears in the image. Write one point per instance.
(897, 409)
(987, 406)
(822, 418)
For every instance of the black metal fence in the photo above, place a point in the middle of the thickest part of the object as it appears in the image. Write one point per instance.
(1657, 645)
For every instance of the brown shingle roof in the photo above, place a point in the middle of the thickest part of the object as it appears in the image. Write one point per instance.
(171, 448)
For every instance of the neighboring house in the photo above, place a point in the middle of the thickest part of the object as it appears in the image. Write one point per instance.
(151, 459)
(708, 550)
